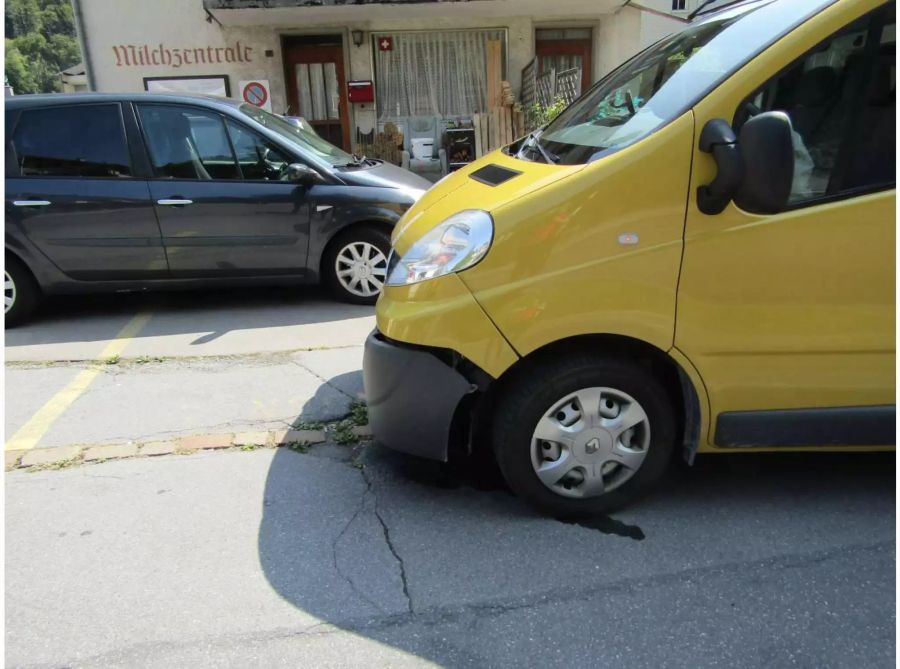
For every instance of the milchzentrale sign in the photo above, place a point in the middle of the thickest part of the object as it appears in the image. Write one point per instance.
(131, 55)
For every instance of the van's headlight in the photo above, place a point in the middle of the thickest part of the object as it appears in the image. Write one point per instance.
(452, 246)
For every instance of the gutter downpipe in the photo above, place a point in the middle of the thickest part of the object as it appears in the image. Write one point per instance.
(82, 40)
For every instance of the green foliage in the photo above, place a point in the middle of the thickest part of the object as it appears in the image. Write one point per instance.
(40, 43)
(359, 413)
(539, 116)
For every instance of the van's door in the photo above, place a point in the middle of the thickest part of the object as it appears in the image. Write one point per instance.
(71, 186)
(789, 318)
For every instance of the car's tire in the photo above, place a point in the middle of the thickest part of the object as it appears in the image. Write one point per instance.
(355, 264)
(590, 454)
(21, 293)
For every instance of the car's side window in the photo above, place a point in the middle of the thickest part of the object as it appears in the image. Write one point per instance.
(840, 98)
(187, 143)
(71, 141)
(259, 158)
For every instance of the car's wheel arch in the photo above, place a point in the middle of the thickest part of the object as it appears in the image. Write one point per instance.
(335, 235)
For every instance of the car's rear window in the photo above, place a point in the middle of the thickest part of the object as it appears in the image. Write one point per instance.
(76, 141)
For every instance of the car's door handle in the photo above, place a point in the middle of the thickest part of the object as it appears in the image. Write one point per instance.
(31, 203)
(174, 202)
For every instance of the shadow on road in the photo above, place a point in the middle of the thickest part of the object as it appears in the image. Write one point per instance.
(84, 318)
(432, 545)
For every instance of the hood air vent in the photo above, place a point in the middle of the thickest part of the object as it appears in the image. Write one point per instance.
(493, 175)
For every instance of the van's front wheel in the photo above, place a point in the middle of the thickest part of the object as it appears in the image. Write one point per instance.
(583, 435)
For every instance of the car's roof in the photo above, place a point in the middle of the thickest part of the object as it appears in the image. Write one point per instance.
(47, 100)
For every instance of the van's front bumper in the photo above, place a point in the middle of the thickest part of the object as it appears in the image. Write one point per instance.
(412, 396)
(433, 350)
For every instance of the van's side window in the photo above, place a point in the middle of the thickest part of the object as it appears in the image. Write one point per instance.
(841, 102)
(76, 141)
(187, 143)
(259, 159)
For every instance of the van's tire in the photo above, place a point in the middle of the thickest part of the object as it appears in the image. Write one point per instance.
(367, 274)
(553, 391)
(21, 293)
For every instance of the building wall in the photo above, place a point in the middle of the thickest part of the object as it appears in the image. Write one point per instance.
(174, 24)
(168, 28)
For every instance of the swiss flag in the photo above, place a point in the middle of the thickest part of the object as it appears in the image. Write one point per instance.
(385, 43)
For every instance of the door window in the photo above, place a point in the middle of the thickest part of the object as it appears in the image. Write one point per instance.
(841, 100)
(77, 141)
(187, 143)
(259, 159)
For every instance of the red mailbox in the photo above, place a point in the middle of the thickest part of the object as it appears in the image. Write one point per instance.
(361, 91)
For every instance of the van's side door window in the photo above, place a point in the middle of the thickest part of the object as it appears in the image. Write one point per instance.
(258, 158)
(220, 217)
(841, 101)
(796, 310)
(73, 191)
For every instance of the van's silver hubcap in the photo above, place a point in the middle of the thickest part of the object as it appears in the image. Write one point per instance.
(590, 442)
(361, 268)
(9, 292)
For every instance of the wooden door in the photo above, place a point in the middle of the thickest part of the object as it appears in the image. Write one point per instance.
(317, 89)
(564, 54)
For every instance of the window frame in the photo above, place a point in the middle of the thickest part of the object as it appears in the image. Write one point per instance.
(152, 176)
(20, 113)
(146, 140)
(876, 23)
(292, 158)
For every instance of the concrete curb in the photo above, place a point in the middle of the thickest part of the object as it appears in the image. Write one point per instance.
(60, 457)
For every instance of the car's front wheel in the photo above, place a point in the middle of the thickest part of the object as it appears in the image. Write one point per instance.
(20, 292)
(355, 264)
(582, 435)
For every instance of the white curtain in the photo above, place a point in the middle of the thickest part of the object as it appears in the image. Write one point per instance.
(433, 73)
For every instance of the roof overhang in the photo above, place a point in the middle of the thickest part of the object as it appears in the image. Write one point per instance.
(335, 12)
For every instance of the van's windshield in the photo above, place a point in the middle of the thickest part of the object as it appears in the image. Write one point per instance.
(662, 82)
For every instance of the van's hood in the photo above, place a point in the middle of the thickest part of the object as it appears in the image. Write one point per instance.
(384, 175)
(487, 184)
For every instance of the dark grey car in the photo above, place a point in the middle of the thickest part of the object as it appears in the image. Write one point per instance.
(134, 192)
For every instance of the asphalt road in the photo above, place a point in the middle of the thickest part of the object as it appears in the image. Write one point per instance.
(184, 363)
(275, 558)
(344, 557)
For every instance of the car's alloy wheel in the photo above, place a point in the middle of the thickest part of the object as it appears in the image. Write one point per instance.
(9, 292)
(361, 269)
(590, 442)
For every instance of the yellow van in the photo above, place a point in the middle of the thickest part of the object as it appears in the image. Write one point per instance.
(696, 256)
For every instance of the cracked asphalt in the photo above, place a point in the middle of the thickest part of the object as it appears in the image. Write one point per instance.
(359, 557)
(356, 556)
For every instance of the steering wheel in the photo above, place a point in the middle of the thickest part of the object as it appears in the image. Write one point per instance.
(629, 102)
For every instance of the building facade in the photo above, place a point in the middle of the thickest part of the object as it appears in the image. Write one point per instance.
(425, 59)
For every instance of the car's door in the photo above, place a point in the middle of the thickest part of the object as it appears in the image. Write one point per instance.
(223, 214)
(789, 318)
(72, 188)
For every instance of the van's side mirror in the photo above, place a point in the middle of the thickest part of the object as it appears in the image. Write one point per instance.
(719, 139)
(767, 150)
(303, 174)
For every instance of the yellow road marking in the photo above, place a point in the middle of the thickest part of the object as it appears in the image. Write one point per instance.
(28, 436)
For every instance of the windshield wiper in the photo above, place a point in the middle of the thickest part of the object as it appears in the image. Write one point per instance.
(533, 142)
(357, 161)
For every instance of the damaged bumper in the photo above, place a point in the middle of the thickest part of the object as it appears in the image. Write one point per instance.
(412, 396)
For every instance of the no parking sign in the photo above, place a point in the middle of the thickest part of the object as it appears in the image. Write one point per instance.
(256, 93)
